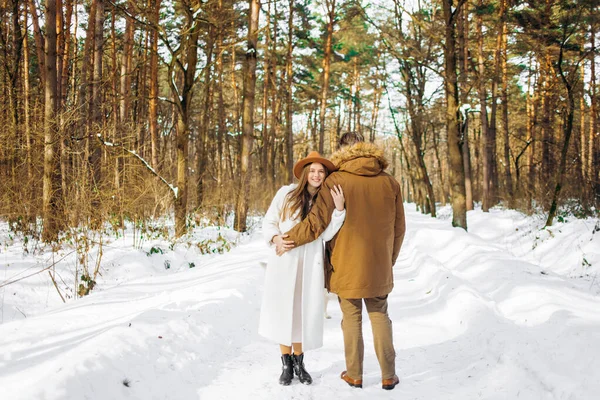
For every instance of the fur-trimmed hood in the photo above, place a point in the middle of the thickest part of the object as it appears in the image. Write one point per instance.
(361, 159)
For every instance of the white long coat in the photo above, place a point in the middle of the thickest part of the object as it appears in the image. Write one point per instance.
(276, 314)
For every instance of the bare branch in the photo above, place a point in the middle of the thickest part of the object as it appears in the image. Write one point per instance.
(173, 189)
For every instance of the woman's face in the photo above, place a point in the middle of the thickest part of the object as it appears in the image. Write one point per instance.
(316, 174)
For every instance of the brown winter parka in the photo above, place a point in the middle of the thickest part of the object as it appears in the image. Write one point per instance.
(361, 256)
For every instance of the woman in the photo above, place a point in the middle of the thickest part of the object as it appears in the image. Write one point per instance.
(292, 307)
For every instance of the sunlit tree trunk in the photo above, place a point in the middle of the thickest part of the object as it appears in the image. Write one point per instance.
(115, 92)
(356, 97)
(97, 114)
(126, 59)
(221, 118)
(268, 73)
(247, 118)
(26, 98)
(153, 98)
(531, 134)
(582, 131)
(493, 122)
(66, 73)
(231, 166)
(330, 7)
(201, 142)
(594, 131)
(39, 39)
(567, 130)
(274, 123)
(457, 172)
(51, 188)
(183, 100)
(60, 53)
(508, 184)
(289, 73)
(68, 44)
(463, 67)
(487, 142)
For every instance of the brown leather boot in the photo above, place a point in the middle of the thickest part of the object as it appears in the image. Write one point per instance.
(357, 383)
(389, 384)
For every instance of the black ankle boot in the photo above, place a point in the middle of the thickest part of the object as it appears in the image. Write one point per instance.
(287, 370)
(301, 373)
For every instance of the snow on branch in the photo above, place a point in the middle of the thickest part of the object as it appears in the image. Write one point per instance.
(143, 161)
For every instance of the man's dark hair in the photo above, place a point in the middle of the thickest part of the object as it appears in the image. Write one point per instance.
(350, 138)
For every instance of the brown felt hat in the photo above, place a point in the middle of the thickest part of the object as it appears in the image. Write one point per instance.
(312, 157)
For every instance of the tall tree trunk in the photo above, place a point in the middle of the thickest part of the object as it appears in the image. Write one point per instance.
(582, 133)
(236, 97)
(594, 136)
(87, 81)
(463, 67)
(201, 143)
(330, 6)
(442, 176)
(140, 103)
(153, 98)
(60, 53)
(221, 127)
(531, 135)
(276, 102)
(17, 47)
(508, 184)
(547, 164)
(183, 100)
(39, 39)
(356, 98)
(51, 189)
(455, 157)
(67, 52)
(415, 91)
(26, 99)
(97, 114)
(241, 210)
(493, 125)
(486, 140)
(264, 154)
(126, 59)
(547, 101)
(567, 129)
(289, 145)
(115, 92)
(67, 73)
(466, 153)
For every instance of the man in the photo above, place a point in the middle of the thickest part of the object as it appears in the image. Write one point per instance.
(362, 254)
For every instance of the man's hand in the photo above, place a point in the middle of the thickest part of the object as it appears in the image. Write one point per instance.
(282, 245)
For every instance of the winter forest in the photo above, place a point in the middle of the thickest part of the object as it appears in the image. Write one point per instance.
(172, 124)
(116, 110)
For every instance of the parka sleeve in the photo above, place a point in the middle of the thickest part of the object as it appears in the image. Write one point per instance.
(318, 218)
(399, 226)
(337, 220)
(270, 224)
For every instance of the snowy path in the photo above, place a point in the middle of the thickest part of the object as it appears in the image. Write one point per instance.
(473, 319)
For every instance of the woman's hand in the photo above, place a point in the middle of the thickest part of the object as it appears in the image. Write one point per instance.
(338, 197)
(282, 245)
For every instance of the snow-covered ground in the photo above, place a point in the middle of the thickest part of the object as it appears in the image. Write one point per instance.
(506, 311)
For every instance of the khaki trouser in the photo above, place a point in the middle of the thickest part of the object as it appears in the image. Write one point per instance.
(382, 335)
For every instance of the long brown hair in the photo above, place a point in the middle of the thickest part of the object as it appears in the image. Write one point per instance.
(300, 199)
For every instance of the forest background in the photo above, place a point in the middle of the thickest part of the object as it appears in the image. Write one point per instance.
(115, 111)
